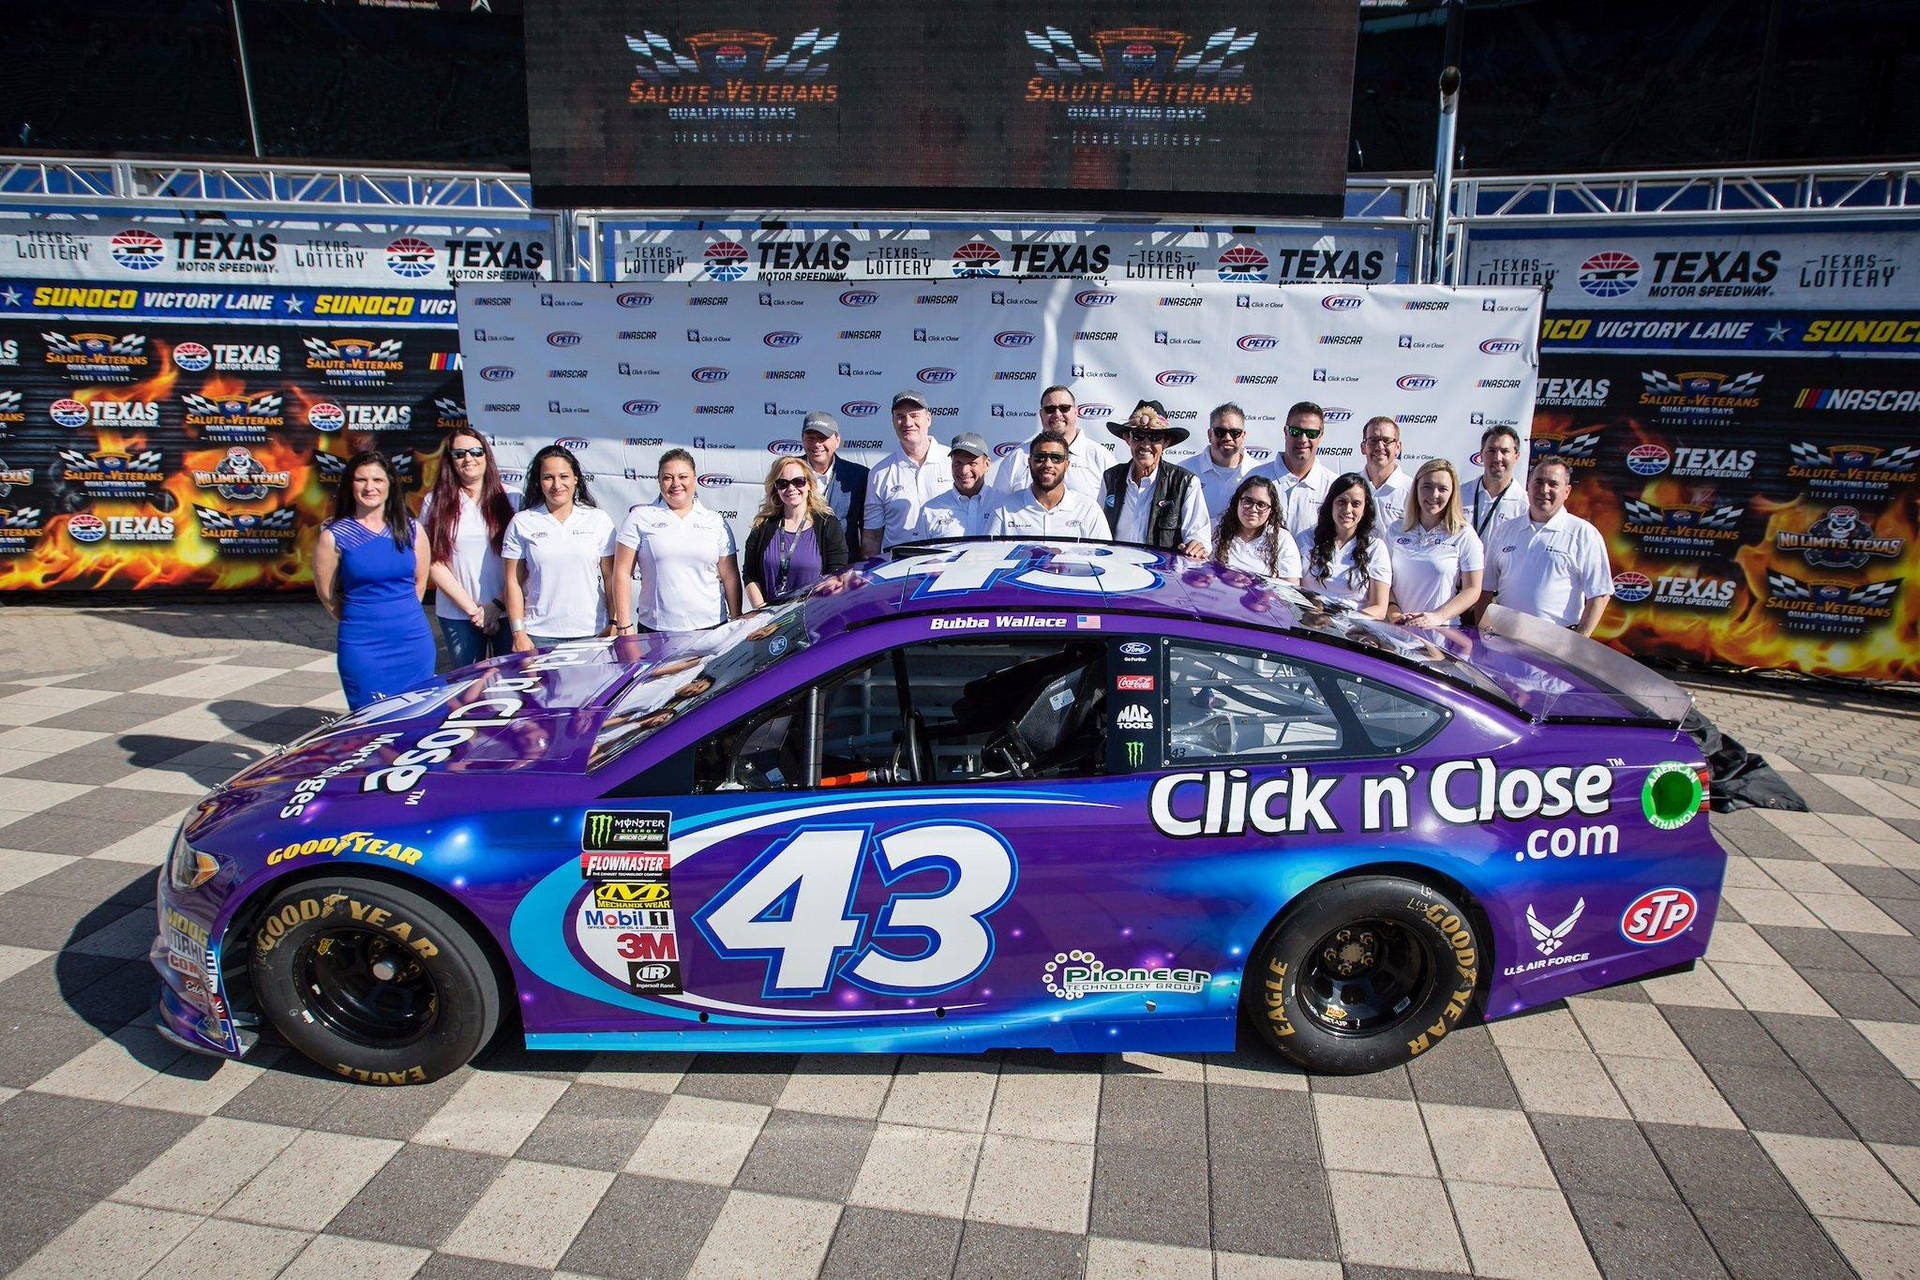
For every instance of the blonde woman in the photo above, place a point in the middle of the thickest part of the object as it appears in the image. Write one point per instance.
(1437, 557)
(796, 538)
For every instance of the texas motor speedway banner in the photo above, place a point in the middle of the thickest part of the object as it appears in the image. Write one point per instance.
(620, 373)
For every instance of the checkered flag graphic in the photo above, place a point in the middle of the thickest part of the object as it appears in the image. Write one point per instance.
(60, 344)
(1209, 62)
(1644, 512)
(1788, 588)
(1721, 517)
(1659, 383)
(1807, 454)
(1060, 57)
(385, 349)
(797, 62)
(318, 347)
(200, 404)
(331, 468)
(452, 408)
(76, 458)
(1902, 458)
(1742, 384)
(1874, 595)
(146, 460)
(9, 400)
(659, 60)
(268, 403)
(130, 344)
(24, 518)
(1580, 445)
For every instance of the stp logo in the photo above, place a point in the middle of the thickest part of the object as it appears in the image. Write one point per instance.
(575, 443)
(632, 300)
(326, 416)
(936, 376)
(860, 408)
(715, 482)
(1257, 342)
(782, 338)
(1501, 346)
(192, 357)
(1013, 338)
(709, 373)
(564, 338)
(1416, 382)
(1095, 298)
(1342, 301)
(1631, 587)
(1659, 915)
(1174, 378)
(1648, 459)
(859, 298)
(640, 408)
(496, 373)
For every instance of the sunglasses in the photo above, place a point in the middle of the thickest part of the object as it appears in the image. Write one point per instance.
(791, 482)
(1371, 441)
(1229, 433)
(1305, 433)
(1056, 408)
(1053, 458)
(1148, 437)
(466, 453)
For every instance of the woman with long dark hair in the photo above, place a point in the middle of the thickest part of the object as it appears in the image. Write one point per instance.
(370, 570)
(1343, 556)
(465, 516)
(1251, 538)
(796, 538)
(559, 556)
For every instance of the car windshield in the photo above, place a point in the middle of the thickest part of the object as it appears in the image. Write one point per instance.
(712, 664)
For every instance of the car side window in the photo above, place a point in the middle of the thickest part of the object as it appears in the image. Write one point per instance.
(1240, 705)
(1393, 721)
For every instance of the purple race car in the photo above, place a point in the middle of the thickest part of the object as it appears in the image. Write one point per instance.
(1083, 797)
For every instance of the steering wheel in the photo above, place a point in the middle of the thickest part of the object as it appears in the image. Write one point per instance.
(919, 752)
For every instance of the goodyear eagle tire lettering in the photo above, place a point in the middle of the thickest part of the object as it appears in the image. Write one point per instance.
(373, 982)
(1364, 974)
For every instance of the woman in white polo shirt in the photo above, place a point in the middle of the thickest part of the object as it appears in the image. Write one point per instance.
(559, 556)
(675, 558)
(1343, 556)
(1436, 555)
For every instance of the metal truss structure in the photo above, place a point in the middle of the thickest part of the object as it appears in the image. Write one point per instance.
(262, 188)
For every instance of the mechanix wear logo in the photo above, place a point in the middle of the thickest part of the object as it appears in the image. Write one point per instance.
(612, 831)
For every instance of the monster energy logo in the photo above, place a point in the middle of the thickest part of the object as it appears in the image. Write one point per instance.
(609, 829)
(1136, 754)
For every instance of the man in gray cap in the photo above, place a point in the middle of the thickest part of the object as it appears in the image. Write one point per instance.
(906, 479)
(962, 511)
(843, 484)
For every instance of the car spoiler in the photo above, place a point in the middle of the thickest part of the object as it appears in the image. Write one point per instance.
(1556, 675)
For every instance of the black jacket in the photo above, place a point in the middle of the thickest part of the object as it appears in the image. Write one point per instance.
(833, 551)
(1170, 487)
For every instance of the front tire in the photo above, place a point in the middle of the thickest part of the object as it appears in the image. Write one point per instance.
(1364, 974)
(373, 982)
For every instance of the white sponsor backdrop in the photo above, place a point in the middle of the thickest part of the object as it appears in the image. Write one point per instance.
(240, 251)
(623, 372)
(1598, 269)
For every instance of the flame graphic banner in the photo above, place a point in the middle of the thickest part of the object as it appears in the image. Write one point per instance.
(153, 456)
(1759, 511)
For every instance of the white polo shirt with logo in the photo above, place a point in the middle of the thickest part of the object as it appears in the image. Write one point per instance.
(1390, 498)
(1087, 463)
(1021, 516)
(564, 593)
(897, 489)
(676, 565)
(1484, 511)
(1548, 570)
(1217, 483)
(1300, 496)
(954, 515)
(1427, 564)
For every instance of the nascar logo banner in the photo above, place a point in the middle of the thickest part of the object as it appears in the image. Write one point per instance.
(619, 373)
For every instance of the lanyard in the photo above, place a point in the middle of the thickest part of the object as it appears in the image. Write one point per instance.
(1481, 522)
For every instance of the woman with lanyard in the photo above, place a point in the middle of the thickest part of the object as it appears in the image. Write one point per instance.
(370, 570)
(1437, 557)
(466, 516)
(796, 538)
(1494, 495)
(1250, 538)
(680, 557)
(559, 557)
(1343, 556)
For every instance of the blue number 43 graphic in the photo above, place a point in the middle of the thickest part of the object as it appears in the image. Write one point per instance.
(793, 908)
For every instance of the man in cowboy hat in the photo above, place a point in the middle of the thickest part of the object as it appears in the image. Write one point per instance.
(1151, 501)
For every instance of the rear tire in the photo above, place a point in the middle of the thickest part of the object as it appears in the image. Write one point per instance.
(373, 982)
(1364, 974)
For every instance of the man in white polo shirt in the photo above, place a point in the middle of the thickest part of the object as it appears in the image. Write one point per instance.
(964, 510)
(1380, 445)
(905, 479)
(1225, 463)
(1492, 496)
(1047, 508)
(1549, 562)
(1302, 480)
(1059, 411)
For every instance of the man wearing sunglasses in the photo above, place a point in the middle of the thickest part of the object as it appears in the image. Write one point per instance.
(962, 511)
(1151, 501)
(1225, 463)
(1089, 459)
(1047, 508)
(1380, 445)
(1302, 480)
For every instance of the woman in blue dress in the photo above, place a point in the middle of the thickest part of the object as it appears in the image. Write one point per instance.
(370, 570)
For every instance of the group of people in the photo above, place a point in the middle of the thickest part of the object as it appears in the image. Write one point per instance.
(1424, 550)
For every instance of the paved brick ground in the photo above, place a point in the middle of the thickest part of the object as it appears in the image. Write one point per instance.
(1757, 1117)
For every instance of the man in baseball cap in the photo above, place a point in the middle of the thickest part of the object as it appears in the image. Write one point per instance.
(964, 510)
(1151, 501)
(842, 483)
(906, 479)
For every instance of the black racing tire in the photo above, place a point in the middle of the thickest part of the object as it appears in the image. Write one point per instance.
(374, 983)
(1364, 974)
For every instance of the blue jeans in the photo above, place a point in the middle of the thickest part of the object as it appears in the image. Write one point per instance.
(467, 643)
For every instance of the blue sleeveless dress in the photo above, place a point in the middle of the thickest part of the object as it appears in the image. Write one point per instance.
(385, 646)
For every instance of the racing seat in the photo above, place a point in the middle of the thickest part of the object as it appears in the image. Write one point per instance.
(1046, 715)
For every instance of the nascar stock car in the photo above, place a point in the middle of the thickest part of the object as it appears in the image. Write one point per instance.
(1082, 797)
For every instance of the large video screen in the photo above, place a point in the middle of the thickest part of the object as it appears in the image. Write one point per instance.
(1203, 106)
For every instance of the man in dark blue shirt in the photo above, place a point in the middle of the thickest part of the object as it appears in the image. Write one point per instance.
(843, 484)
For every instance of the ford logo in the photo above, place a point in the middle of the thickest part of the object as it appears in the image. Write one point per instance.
(859, 298)
(632, 300)
(575, 443)
(935, 376)
(564, 339)
(496, 373)
(709, 373)
(1095, 298)
(860, 408)
(1013, 338)
(1501, 346)
(784, 446)
(1258, 342)
(1416, 382)
(1136, 648)
(715, 482)
(1341, 301)
(782, 338)
(640, 408)
(1176, 378)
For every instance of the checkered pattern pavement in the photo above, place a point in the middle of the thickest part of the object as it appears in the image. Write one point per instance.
(1756, 1117)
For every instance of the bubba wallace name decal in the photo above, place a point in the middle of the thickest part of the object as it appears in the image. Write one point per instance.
(1227, 802)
